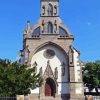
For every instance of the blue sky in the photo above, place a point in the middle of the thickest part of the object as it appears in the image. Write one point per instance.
(82, 17)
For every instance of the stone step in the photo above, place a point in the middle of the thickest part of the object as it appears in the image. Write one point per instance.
(36, 97)
(49, 98)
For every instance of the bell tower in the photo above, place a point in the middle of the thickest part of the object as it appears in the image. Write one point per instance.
(49, 8)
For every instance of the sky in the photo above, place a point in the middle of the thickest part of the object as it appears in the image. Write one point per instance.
(82, 17)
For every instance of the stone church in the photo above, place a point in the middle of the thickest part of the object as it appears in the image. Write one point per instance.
(48, 46)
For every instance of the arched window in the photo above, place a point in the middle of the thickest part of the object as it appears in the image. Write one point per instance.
(36, 32)
(50, 10)
(62, 32)
(50, 27)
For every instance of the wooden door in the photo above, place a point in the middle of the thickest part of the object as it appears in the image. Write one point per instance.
(48, 91)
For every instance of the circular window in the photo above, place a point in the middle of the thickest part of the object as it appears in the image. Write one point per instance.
(49, 54)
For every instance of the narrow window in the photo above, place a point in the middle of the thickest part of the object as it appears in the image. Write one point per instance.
(50, 27)
(50, 10)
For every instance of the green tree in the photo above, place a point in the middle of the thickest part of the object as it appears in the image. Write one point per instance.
(98, 61)
(17, 79)
(91, 76)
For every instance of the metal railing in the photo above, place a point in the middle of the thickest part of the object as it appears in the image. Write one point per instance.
(8, 98)
(96, 97)
(93, 97)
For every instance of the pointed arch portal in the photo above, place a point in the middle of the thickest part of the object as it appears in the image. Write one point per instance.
(50, 87)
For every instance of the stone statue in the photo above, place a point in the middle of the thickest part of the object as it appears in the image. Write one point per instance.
(55, 9)
(63, 69)
(43, 26)
(43, 10)
(26, 50)
(55, 26)
(41, 71)
(56, 73)
(35, 67)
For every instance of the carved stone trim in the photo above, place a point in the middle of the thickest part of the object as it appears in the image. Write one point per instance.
(48, 72)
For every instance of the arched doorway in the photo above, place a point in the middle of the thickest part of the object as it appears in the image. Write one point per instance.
(50, 87)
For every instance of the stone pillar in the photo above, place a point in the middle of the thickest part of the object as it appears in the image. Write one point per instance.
(90, 98)
(73, 86)
(42, 90)
(20, 97)
(72, 80)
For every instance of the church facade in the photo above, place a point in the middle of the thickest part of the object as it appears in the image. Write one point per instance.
(48, 46)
